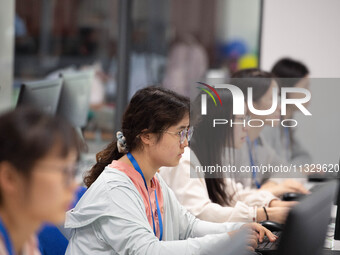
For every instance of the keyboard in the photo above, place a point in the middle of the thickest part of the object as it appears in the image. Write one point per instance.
(315, 187)
(266, 245)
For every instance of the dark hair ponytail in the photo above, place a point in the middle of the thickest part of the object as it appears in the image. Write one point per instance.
(103, 159)
(151, 110)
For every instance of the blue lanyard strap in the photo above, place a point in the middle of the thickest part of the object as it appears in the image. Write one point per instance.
(252, 161)
(7, 239)
(136, 166)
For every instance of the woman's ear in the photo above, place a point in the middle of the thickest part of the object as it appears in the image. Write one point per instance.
(9, 178)
(146, 138)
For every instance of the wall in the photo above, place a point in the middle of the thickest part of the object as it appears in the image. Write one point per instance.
(308, 30)
(6, 53)
(239, 19)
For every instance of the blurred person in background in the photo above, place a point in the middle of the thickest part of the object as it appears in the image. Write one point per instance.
(38, 155)
(289, 73)
(187, 64)
(258, 150)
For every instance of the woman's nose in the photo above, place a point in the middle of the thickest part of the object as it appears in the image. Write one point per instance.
(185, 143)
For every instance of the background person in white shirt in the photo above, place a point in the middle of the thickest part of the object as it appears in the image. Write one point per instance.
(289, 73)
(258, 150)
(217, 197)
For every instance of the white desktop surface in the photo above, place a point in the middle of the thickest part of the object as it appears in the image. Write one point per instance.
(335, 245)
(330, 243)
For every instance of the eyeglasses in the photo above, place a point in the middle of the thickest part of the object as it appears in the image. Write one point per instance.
(69, 172)
(184, 134)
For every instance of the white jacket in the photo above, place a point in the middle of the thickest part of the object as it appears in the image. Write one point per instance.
(110, 219)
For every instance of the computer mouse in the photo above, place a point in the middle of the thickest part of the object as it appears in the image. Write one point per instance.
(272, 225)
(292, 196)
(317, 177)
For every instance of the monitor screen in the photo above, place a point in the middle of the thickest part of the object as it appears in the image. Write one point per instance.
(43, 95)
(307, 223)
(74, 97)
(337, 219)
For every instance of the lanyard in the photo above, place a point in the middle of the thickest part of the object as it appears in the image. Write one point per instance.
(7, 239)
(136, 166)
(252, 161)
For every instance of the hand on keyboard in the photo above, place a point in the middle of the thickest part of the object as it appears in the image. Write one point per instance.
(288, 185)
(257, 234)
(268, 245)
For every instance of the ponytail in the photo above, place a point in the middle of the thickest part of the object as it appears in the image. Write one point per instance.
(103, 158)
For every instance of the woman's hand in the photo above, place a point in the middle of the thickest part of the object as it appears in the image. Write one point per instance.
(284, 187)
(279, 203)
(277, 214)
(260, 231)
(256, 234)
(295, 185)
(277, 190)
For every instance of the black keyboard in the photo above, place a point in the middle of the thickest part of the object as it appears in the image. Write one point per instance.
(315, 187)
(267, 245)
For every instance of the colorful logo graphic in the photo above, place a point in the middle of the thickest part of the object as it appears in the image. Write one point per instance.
(209, 93)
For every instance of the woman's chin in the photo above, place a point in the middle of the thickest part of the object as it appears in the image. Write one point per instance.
(173, 163)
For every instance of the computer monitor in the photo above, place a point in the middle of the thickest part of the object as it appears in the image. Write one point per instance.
(75, 97)
(337, 218)
(43, 95)
(307, 223)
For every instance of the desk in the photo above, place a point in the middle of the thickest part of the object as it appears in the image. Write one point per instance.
(330, 252)
(333, 245)
(330, 242)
